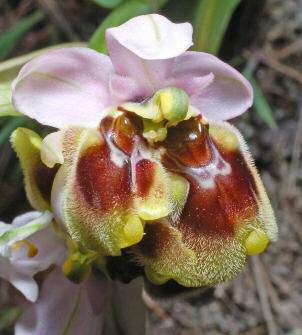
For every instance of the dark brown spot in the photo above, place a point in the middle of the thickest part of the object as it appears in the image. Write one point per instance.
(123, 268)
(104, 184)
(44, 177)
(122, 130)
(189, 142)
(124, 133)
(157, 236)
(218, 210)
(144, 171)
(172, 289)
(106, 125)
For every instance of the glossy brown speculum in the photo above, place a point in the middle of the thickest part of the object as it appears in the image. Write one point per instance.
(189, 142)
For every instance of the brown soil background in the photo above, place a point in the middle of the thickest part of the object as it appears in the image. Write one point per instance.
(267, 297)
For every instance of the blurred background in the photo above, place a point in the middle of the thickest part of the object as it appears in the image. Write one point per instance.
(261, 38)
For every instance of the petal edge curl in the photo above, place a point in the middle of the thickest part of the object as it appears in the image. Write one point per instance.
(226, 96)
(155, 37)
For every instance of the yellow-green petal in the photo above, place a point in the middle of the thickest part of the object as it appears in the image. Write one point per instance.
(38, 178)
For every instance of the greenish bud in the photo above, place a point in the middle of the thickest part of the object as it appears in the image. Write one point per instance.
(78, 265)
(174, 103)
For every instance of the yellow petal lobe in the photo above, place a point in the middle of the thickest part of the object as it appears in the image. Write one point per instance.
(256, 242)
(133, 231)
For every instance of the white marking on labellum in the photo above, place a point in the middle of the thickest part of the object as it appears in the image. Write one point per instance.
(117, 156)
(205, 175)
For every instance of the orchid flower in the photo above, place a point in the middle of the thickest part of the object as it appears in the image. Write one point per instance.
(29, 246)
(143, 176)
(20, 257)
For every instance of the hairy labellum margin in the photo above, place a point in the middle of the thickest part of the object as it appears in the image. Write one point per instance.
(189, 208)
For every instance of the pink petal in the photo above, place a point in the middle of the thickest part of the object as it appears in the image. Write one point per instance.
(64, 87)
(22, 282)
(4, 227)
(125, 89)
(147, 55)
(19, 268)
(151, 37)
(227, 96)
(25, 218)
(63, 308)
(131, 319)
(147, 74)
(51, 250)
(192, 85)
